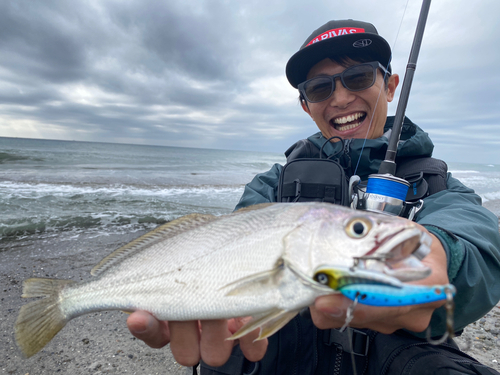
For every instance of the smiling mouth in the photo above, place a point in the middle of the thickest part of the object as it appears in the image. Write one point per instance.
(345, 123)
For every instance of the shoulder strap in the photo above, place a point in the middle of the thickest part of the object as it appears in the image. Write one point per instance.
(303, 149)
(426, 176)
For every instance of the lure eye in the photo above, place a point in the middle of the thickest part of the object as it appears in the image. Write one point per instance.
(322, 278)
(358, 227)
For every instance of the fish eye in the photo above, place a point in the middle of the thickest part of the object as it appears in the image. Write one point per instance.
(358, 227)
(321, 278)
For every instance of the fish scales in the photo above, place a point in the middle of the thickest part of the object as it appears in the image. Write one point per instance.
(231, 253)
(256, 262)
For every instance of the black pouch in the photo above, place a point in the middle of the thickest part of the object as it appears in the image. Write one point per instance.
(403, 354)
(311, 179)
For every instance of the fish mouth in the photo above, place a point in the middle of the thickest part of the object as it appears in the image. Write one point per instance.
(399, 255)
(393, 260)
(399, 245)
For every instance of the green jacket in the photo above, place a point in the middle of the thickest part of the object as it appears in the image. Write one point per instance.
(469, 233)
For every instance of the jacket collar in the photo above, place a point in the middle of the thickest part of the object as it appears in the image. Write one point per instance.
(363, 157)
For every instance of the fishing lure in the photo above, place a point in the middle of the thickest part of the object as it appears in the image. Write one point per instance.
(385, 295)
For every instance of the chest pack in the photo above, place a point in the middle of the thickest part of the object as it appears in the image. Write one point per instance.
(321, 180)
(308, 176)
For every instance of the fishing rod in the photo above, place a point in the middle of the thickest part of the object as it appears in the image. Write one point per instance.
(389, 165)
(386, 193)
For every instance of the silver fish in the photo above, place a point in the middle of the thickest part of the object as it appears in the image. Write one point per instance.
(260, 262)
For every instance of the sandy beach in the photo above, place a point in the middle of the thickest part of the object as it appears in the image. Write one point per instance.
(97, 343)
(100, 343)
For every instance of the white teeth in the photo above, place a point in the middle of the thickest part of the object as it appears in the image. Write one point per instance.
(339, 121)
(346, 119)
(347, 127)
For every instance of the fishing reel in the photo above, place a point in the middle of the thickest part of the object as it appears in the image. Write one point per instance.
(385, 194)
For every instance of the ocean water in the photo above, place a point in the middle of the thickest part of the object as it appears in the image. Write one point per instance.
(52, 188)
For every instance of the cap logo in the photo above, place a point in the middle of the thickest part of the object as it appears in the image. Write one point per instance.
(336, 32)
(362, 43)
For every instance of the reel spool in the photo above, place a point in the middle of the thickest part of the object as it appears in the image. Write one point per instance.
(384, 194)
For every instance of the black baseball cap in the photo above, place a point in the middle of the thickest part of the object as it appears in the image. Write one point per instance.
(335, 38)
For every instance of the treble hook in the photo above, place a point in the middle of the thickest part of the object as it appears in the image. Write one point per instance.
(348, 317)
(450, 306)
(350, 313)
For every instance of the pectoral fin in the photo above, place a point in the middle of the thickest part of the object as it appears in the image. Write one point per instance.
(274, 325)
(268, 324)
(256, 284)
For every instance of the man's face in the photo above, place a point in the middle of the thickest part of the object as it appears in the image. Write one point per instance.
(348, 114)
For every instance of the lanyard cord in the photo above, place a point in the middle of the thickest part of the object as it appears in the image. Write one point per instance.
(381, 88)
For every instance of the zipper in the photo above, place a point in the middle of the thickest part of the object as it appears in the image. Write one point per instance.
(337, 367)
(346, 157)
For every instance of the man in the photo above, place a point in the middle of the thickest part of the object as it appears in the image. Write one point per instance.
(345, 83)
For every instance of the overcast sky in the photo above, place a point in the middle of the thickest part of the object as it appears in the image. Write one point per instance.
(210, 74)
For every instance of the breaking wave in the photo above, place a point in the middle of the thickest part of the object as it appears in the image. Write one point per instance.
(33, 226)
(35, 208)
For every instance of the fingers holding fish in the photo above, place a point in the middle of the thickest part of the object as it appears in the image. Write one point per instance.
(185, 342)
(252, 348)
(214, 348)
(207, 340)
(330, 312)
(145, 327)
(188, 346)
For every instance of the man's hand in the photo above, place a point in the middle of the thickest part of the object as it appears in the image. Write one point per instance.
(194, 340)
(330, 311)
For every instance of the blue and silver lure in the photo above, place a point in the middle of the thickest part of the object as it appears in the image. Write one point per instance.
(381, 290)
(385, 295)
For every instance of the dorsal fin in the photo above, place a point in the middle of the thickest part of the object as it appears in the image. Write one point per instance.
(255, 207)
(165, 231)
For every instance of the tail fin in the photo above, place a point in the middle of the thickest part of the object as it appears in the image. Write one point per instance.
(39, 321)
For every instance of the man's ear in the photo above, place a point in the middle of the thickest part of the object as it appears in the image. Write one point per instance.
(391, 86)
(304, 105)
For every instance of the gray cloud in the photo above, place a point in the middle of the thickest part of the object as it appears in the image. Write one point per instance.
(211, 73)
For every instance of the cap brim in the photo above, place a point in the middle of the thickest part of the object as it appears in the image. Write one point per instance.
(301, 62)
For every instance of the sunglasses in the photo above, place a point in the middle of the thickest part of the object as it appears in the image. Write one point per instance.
(355, 78)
